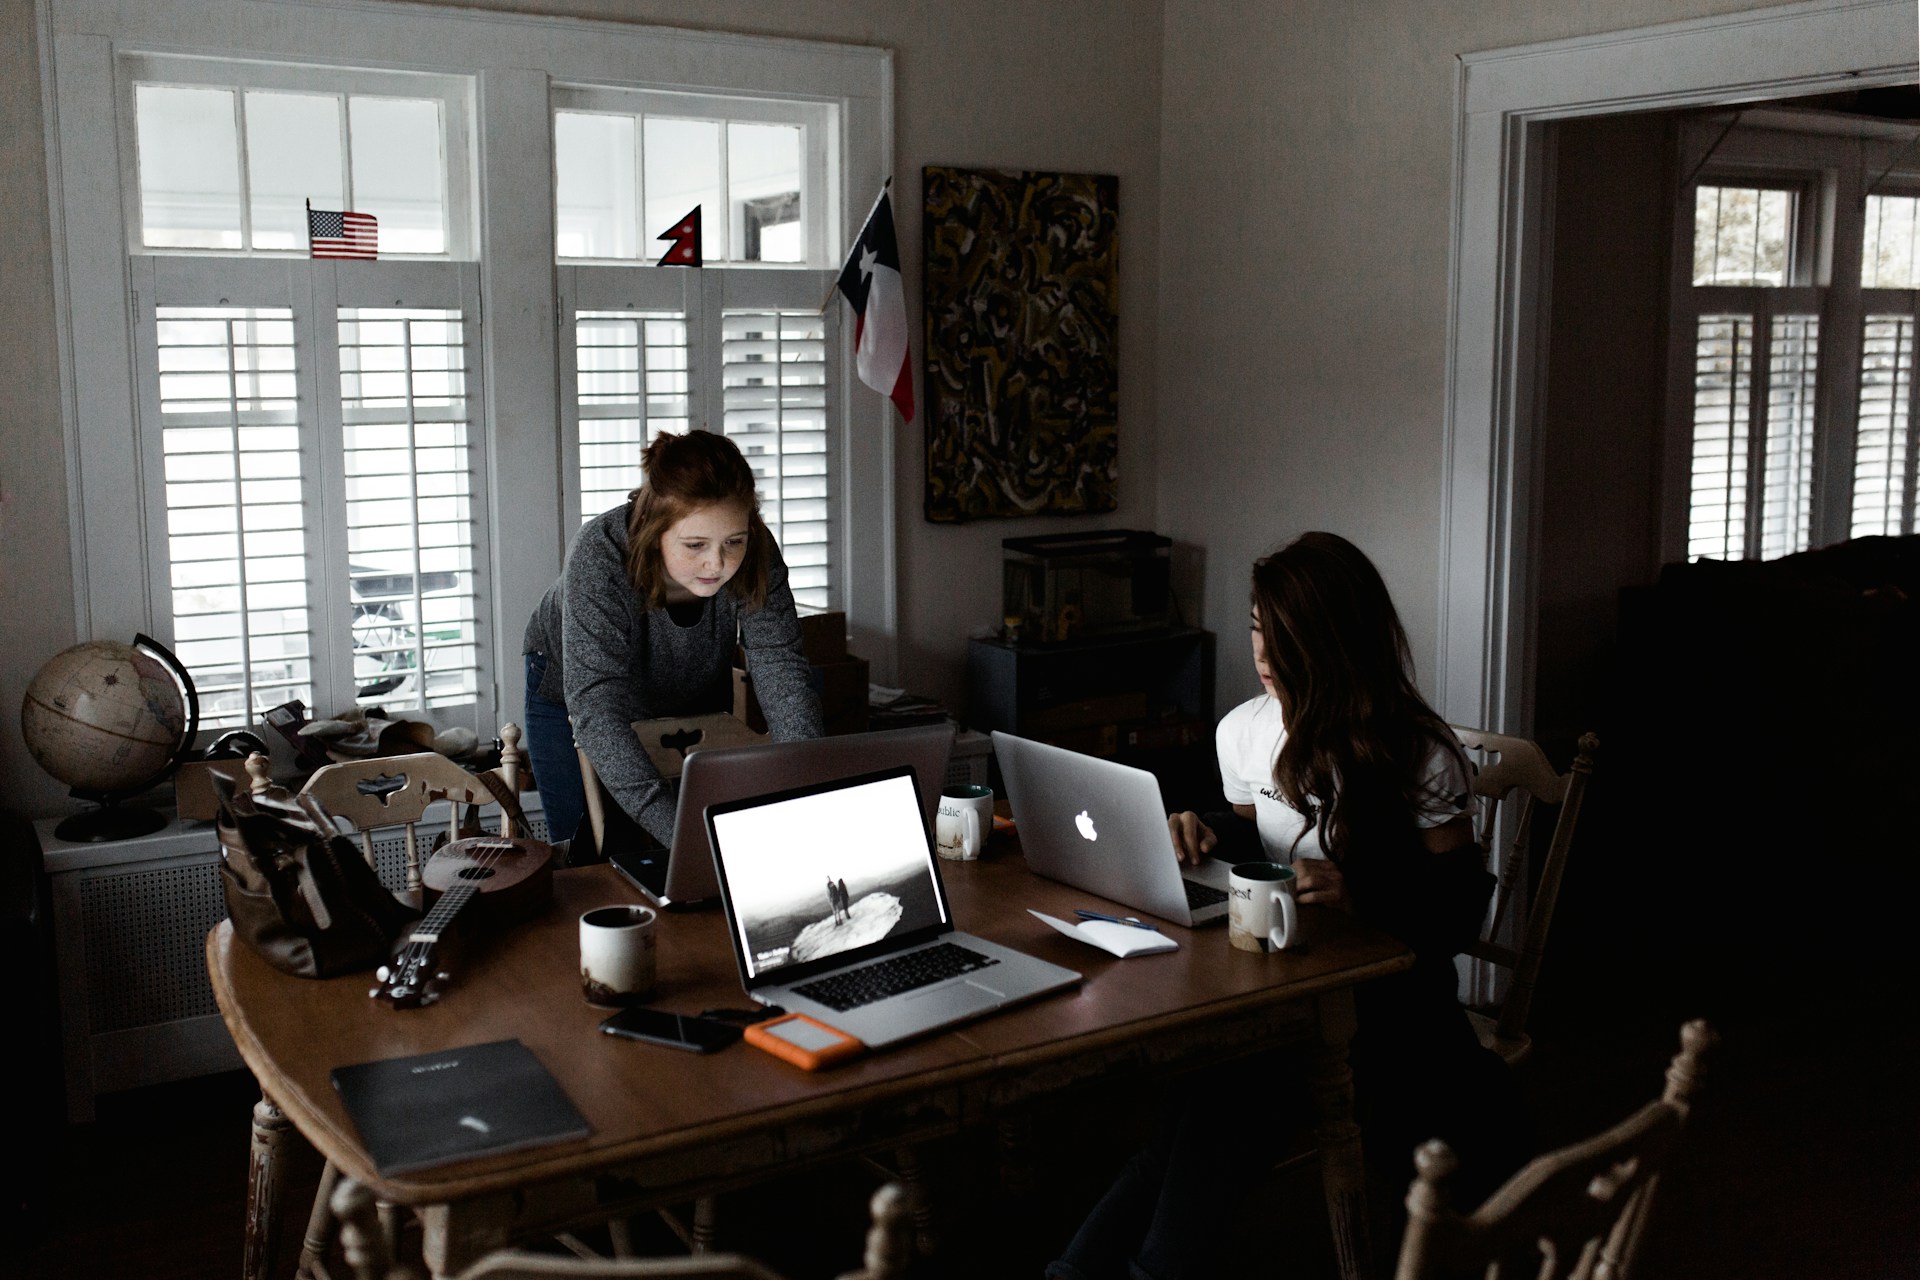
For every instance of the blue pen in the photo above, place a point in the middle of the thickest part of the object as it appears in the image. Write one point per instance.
(1097, 915)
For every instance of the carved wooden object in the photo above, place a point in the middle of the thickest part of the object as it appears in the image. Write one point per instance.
(1573, 1214)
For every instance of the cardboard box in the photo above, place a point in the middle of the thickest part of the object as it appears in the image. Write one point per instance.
(193, 794)
(842, 687)
(823, 637)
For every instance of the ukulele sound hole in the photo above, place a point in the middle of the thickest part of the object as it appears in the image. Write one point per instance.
(475, 873)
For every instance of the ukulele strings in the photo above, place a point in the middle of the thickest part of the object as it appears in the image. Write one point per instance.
(492, 853)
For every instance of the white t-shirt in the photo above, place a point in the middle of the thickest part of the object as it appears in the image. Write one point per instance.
(1248, 741)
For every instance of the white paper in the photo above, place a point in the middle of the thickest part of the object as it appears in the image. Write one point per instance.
(1120, 939)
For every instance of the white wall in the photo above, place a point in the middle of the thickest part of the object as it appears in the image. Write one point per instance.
(1307, 155)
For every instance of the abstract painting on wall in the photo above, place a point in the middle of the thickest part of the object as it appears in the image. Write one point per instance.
(1022, 307)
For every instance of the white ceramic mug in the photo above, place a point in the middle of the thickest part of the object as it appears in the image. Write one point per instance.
(1261, 914)
(965, 821)
(617, 960)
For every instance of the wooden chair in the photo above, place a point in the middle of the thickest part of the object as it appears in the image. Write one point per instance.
(390, 791)
(1574, 1214)
(397, 791)
(1505, 765)
(369, 1251)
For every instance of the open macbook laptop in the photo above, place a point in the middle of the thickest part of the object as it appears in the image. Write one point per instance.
(835, 909)
(1100, 825)
(682, 874)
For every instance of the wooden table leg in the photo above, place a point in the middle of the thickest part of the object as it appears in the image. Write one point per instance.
(1014, 1133)
(1342, 1173)
(265, 1170)
(919, 1199)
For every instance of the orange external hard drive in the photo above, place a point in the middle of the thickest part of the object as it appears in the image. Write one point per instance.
(805, 1043)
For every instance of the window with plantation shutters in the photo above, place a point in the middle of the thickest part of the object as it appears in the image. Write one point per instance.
(1793, 331)
(1722, 411)
(631, 375)
(1884, 498)
(774, 375)
(235, 506)
(1750, 490)
(1785, 489)
(406, 436)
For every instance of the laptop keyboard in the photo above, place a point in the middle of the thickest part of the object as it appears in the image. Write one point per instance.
(1202, 895)
(862, 986)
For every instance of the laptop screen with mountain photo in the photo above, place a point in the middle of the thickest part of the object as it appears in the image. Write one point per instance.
(835, 909)
(827, 872)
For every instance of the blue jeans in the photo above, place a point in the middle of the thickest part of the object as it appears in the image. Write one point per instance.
(555, 765)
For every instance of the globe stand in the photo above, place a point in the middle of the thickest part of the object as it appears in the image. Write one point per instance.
(109, 822)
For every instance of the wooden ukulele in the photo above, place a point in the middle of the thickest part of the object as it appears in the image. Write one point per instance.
(506, 880)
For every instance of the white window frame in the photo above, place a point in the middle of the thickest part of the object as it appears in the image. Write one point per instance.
(1831, 165)
(513, 63)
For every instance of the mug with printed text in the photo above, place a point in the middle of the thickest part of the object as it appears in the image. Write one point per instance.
(1261, 914)
(965, 821)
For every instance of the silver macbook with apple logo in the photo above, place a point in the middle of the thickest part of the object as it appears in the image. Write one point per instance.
(1101, 826)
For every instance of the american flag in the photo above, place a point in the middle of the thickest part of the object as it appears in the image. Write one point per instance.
(335, 234)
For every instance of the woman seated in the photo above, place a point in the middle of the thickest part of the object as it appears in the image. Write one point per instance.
(1340, 768)
(643, 623)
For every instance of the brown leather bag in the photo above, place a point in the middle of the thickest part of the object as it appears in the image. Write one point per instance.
(298, 892)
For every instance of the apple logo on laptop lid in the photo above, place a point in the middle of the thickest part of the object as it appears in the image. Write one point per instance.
(1084, 822)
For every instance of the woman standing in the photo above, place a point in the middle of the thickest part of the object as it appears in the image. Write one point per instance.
(643, 623)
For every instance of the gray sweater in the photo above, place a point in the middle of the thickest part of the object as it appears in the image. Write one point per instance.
(611, 661)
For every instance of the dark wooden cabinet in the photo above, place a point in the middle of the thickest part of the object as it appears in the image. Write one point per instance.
(1145, 699)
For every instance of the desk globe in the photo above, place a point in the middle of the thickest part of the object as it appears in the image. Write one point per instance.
(110, 720)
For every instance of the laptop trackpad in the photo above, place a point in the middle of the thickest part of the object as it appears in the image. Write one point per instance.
(956, 999)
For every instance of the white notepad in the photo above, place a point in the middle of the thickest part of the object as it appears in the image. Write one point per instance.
(1120, 939)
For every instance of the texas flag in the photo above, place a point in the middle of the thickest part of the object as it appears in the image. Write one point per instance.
(870, 281)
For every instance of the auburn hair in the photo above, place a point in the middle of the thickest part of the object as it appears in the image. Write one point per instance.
(685, 473)
(1359, 735)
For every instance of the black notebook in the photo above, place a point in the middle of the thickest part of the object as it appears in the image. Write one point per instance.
(434, 1108)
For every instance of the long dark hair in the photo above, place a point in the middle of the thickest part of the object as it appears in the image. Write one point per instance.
(685, 473)
(1359, 734)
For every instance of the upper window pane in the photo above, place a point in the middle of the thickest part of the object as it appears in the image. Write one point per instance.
(189, 167)
(399, 171)
(596, 195)
(1887, 259)
(1742, 235)
(630, 164)
(293, 156)
(682, 159)
(763, 192)
(372, 153)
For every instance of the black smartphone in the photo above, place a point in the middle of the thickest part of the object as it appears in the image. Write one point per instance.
(680, 1030)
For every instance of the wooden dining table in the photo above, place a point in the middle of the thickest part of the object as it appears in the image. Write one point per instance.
(669, 1127)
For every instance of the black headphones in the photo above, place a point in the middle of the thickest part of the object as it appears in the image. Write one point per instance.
(235, 744)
